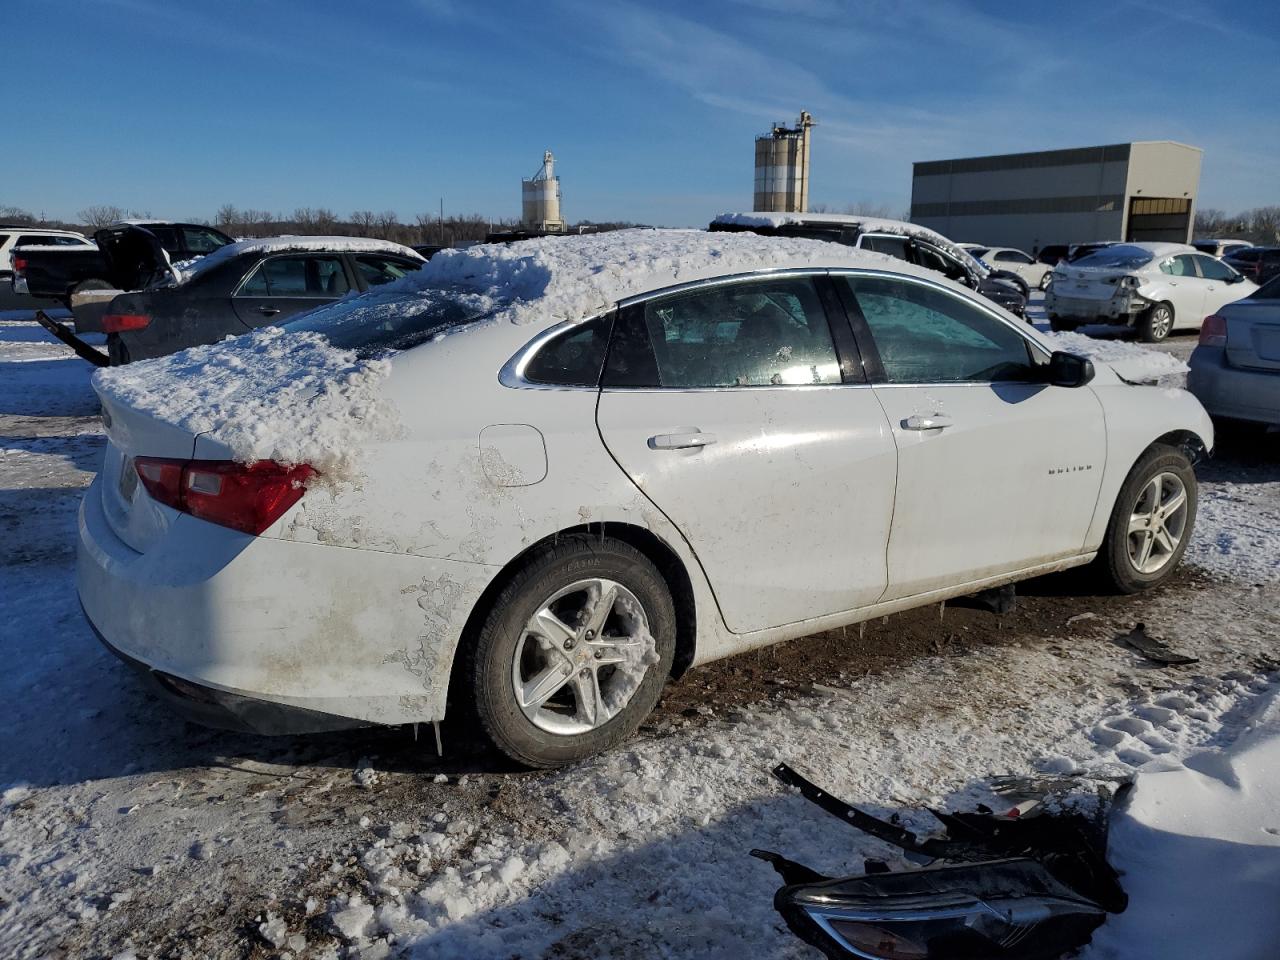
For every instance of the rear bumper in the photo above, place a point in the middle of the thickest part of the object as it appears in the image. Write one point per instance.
(276, 636)
(1115, 310)
(210, 707)
(1232, 392)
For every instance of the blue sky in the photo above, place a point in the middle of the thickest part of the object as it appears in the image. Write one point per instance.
(173, 108)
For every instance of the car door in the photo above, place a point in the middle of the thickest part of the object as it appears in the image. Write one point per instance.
(1185, 289)
(1220, 284)
(282, 286)
(997, 470)
(730, 408)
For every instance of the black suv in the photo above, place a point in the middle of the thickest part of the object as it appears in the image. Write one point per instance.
(1259, 264)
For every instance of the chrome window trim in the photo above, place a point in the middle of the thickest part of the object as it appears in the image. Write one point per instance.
(511, 374)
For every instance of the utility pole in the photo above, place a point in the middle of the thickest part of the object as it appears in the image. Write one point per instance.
(442, 221)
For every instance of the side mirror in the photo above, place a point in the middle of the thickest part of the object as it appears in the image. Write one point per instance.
(1069, 370)
(1235, 278)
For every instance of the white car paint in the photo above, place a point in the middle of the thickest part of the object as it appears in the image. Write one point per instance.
(1119, 282)
(1015, 261)
(814, 507)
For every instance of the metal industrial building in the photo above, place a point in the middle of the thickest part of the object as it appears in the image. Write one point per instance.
(1123, 191)
(782, 168)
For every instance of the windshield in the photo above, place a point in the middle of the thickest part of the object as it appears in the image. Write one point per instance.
(1121, 255)
(381, 321)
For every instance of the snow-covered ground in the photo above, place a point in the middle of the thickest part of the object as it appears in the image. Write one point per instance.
(123, 829)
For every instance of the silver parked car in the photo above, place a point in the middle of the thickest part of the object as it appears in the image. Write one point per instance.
(1235, 371)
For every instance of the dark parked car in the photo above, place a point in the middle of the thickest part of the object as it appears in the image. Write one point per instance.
(906, 241)
(1259, 264)
(127, 258)
(246, 285)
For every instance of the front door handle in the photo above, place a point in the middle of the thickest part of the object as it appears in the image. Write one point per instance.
(268, 311)
(926, 421)
(680, 441)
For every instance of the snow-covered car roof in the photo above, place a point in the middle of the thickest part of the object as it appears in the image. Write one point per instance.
(186, 270)
(865, 224)
(574, 277)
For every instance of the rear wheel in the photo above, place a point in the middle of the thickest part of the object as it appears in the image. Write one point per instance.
(1151, 522)
(573, 653)
(1155, 323)
(1061, 324)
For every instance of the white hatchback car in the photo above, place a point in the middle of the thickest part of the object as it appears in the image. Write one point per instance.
(533, 481)
(1035, 273)
(1155, 288)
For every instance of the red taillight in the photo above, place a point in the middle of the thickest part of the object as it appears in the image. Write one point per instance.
(19, 264)
(1213, 332)
(115, 322)
(247, 497)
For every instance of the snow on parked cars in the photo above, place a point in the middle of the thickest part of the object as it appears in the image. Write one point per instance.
(1155, 288)
(583, 443)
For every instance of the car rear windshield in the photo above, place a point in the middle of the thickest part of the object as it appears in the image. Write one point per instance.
(381, 321)
(1121, 255)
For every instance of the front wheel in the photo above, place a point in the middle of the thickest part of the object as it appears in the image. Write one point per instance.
(1061, 324)
(1151, 522)
(1154, 325)
(1046, 279)
(573, 653)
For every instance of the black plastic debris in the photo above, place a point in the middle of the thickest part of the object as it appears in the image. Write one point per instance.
(1154, 649)
(1025, 886)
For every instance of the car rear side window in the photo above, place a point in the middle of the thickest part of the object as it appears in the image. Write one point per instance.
(893, 246)
(380, 270)
(1183, 265)
(574, 358)
(926, 335)
(760, 333)
(297, 277)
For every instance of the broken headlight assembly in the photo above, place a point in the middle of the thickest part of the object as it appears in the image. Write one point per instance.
(1020, 887)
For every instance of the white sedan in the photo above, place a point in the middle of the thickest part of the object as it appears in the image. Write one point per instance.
(1035, 273)
(1155, 288)
(533, 481)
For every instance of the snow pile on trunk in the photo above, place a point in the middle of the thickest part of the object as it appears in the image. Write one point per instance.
(268, 395)
(571, 278)
(185, 270)
(1132, 362)
(1199, 848)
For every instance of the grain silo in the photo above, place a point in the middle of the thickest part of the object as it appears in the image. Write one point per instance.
(782, 168)
(540, 209)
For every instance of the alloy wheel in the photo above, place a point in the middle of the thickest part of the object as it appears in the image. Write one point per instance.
(1161, 322)
(1157, 523)
(581, 657)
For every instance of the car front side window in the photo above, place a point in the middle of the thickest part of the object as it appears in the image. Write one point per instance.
(925, 335)
(1214, 269)
(893, 246)
(759, 333)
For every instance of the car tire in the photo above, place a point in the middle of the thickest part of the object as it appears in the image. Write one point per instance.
(546, 732)
(1155, 323)
(1061, 324)
(1045, 279)
(1151, 487)
(86, 285)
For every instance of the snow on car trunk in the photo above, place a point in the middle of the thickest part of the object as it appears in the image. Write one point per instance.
(289, 397)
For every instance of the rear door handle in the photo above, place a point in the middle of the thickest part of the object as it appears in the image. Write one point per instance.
(268, 311)
(926, 421)
(680, 441)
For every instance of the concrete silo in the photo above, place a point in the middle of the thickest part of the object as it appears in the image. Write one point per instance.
(782, 168)
(540, 209)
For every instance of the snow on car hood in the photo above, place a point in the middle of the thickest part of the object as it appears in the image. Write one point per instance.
(575, 277)
(268, 395)
(1131, 362)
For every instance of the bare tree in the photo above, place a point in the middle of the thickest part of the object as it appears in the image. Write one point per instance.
(866, 208)
(100, 215)
(16, 215)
